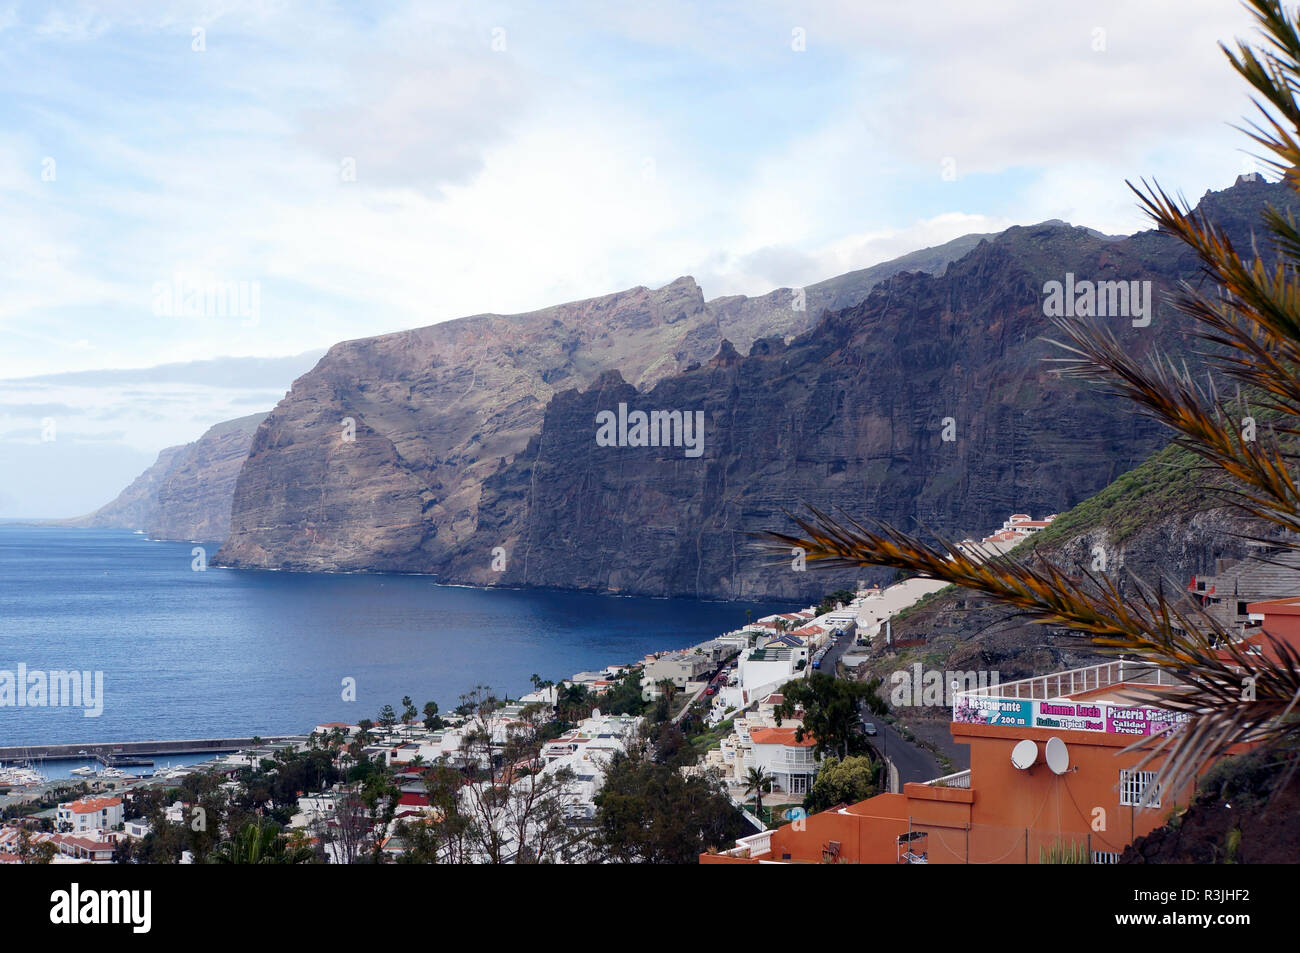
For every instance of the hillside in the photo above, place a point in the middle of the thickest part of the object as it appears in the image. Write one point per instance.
(1162, 522)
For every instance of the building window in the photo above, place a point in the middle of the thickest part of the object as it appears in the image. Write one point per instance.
(798, 784)
(1105, 857)
(1133, 785)
(1241, 608)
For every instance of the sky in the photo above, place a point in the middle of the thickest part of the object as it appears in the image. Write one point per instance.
(321, 172)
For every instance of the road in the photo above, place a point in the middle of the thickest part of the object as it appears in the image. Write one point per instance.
(832, 657)
(911, 762)
(699, 692)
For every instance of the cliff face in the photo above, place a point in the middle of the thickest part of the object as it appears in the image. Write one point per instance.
(134, 507)
(374, 459)
(852, 414)
(439, 409)
(186, 494)
(193, 500)
(473, 441)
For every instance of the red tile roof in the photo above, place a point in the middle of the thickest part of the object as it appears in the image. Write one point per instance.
(780, 736)
(93, 805)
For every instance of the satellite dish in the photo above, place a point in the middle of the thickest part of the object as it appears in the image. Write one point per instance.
(1024, 754)
(1057, 756)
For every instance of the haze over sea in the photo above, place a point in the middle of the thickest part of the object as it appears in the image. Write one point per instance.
(190, 654)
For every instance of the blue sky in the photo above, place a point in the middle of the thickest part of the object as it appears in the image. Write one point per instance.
(512, 156)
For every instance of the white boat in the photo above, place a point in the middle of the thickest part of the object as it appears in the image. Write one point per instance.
(83, 770)
(112, 773)
(21, 777)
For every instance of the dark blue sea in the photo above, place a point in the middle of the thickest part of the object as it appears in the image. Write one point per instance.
(188, 654)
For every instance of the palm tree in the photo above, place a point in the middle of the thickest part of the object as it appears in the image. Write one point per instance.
(757, 780)
(1251, 321)
(260, 842)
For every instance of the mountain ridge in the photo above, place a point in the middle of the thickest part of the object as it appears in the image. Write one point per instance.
(849, 414)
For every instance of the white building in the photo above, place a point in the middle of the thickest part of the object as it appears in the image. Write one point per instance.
(789, 762)
(586, 750)
(90, 814)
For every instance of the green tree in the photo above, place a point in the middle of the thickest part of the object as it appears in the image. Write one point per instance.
(626, 697)
(259, 842)
(848, 781)
(387, 716)
(831, 711)
(671, 746)
(431, 719)
(409, 711)
(832, 599)
(648, 813)
(574, 703)
(757, 781)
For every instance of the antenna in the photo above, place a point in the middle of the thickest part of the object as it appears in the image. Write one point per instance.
(1024, 754)
(1057, 756)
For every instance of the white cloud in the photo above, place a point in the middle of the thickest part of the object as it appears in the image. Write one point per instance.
(600, 150)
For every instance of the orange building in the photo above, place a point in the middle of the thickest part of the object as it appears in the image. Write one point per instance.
(1050, 776)
(1278, 620)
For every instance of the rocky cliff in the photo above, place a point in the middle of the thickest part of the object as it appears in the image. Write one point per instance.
(186, 494)
(134, 507)
(851, 414)
(375, 459)
(469, 448)
(193, 500)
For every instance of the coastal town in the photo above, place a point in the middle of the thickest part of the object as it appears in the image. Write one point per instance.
(746, 720)
(548, 748)
(715, 712)
(587, 436)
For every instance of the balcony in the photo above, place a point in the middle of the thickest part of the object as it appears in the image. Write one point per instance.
(796, 765)
(755, 845)
(959, 780)
(1091, 679)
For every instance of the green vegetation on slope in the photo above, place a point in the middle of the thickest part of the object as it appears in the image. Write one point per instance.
(1171, 480)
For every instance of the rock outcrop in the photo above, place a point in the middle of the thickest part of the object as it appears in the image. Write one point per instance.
(468, 449)
(437, 410)
(187, 493)
(852, 414)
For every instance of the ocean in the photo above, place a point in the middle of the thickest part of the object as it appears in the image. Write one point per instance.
(190, 654)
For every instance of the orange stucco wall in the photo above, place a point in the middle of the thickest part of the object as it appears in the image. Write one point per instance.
(1010, 816)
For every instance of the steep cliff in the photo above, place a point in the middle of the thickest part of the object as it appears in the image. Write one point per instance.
(450, 448)
(187, 492)
(193, 500)
(134, 507)
(436, 410)
(851, 414)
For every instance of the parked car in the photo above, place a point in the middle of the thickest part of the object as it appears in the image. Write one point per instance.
(869, 728)
(711, 690)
